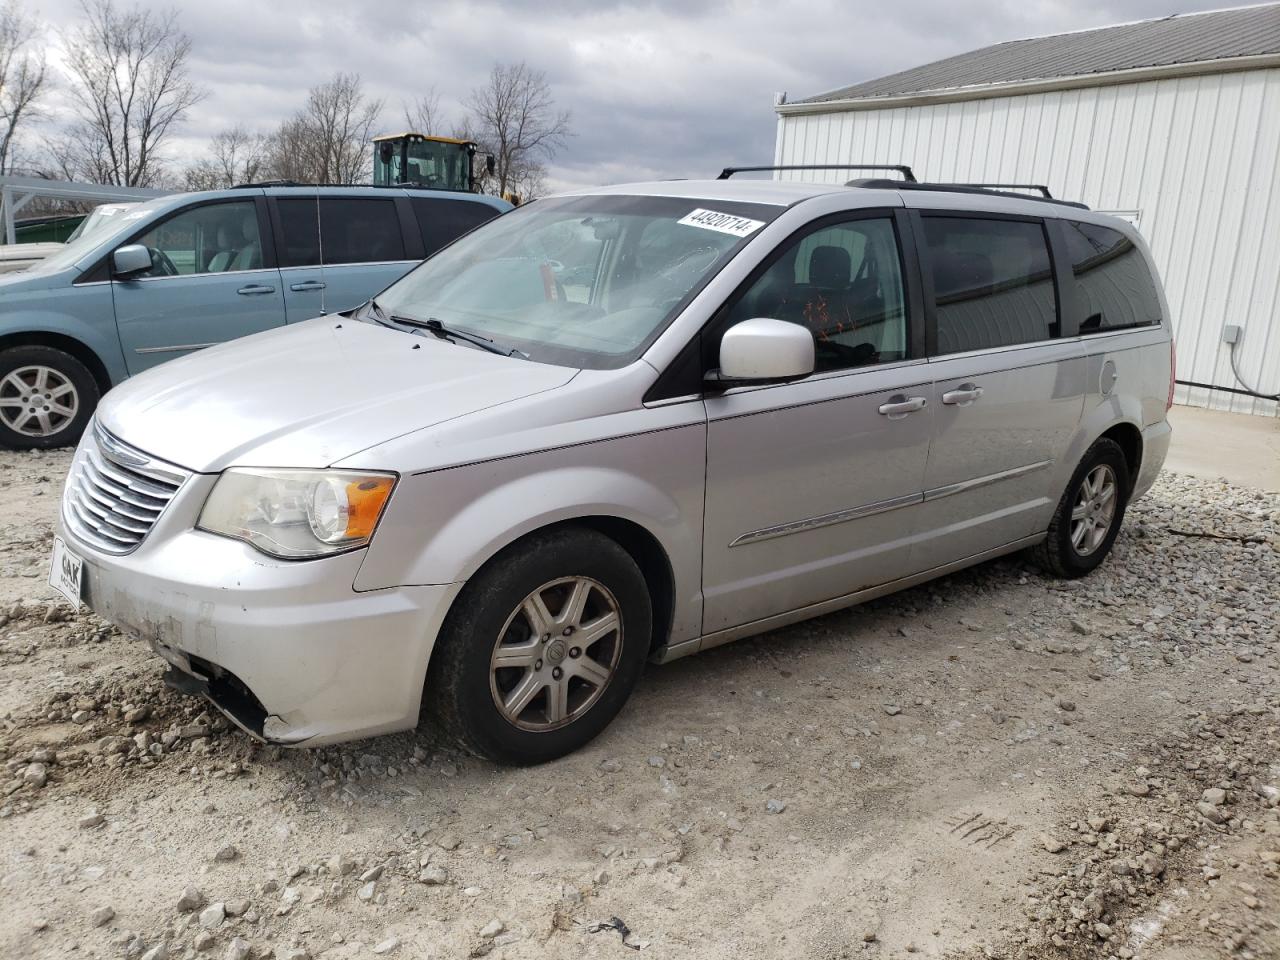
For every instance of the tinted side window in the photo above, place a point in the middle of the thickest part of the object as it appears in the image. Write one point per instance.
(299, 239)
(993, 283)
(1113, 283)
(214, 238)
(360, 230)
(843, 282)
(443, 221)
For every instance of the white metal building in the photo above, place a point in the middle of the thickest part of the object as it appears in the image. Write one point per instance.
(1173, 123)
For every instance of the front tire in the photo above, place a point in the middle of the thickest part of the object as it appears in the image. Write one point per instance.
(542, 648)
(46, 398)
(1088, 517)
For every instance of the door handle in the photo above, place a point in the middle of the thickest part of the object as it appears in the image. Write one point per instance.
(306, 285)
(900, 405)
(964, 394)
(255, 290)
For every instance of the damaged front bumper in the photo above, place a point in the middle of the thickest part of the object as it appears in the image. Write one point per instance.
(289, 651)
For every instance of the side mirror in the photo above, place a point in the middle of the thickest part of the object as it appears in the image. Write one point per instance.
(490, 163)
(130, 260)
(764, 350)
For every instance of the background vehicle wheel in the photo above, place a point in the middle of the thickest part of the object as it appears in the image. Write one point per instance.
(1089, 514)
(46, 398)
(542, 648)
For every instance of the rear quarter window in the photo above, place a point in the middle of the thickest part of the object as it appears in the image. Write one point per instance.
(444, 221)
(1114, 286)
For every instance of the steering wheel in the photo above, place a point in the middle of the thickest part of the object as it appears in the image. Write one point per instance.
(161, 265)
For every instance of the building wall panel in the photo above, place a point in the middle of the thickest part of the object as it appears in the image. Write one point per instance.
(1198, 158)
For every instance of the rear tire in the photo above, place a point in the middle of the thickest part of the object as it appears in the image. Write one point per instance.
(541, 648)
(1088, 517)
(46, 398)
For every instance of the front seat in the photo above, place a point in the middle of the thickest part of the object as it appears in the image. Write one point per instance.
(249, 256)
(827, 307)
(830, 268)
(221, 260)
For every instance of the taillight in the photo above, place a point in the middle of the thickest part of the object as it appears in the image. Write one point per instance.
(1173, 371)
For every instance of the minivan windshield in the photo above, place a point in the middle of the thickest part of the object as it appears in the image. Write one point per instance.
(90, 239)
(585, 281)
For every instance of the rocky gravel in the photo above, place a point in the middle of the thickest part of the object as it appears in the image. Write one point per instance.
(992, 765)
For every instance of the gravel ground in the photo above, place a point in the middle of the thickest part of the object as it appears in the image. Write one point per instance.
(992, 765)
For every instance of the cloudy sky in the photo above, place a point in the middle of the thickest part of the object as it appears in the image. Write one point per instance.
(667, 88)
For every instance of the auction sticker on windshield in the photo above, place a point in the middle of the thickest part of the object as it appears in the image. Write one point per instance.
(721, 223)
(65, 572)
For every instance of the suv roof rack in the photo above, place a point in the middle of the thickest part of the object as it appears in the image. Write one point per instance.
(1044, 191)
(299, 183)
(269, 183)
(907, 175)
(989, 191)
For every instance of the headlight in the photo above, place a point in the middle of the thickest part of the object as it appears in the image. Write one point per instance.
(296, 514)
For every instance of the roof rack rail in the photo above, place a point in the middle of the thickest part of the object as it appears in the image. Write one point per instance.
(270, 183)
(959, 188)
(299, 183)
(907, 175)
(1044, 191)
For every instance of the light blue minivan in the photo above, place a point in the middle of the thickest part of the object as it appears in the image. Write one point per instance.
(186, 271)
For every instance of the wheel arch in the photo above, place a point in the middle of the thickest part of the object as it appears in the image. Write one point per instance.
(640, 544)
(1128, 437)
(66, 343)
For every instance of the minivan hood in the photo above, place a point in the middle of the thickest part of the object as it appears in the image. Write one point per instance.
(311, 394)
(22, 280)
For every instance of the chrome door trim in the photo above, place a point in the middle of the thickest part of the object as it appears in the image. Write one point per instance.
(205, 273)
(729, 634)
(827, 519)
(176, 348)
(822, 375)
(937, 493)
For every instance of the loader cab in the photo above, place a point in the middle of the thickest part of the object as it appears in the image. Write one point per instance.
(418, 160)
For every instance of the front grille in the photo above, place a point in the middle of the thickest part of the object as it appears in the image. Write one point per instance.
(116, 493)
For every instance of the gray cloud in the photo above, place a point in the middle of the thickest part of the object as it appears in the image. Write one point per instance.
(668, 88)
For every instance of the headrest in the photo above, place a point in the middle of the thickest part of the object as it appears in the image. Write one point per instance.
(829, 267)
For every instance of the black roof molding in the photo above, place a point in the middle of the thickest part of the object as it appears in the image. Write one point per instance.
(961, 188)
(907, 175)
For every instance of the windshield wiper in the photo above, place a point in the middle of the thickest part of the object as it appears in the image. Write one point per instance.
(432, 325)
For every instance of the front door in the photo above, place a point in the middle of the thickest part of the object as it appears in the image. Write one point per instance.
(1008, 392)
(813, 487)
(209, 282)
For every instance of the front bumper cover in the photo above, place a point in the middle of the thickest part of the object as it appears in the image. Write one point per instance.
(289, 651)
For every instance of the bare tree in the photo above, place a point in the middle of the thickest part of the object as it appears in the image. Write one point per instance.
(235, 156)
(514, 117)
(423, 114)
(292, 153)
(128, 73)
(328, 140)
(22, 77)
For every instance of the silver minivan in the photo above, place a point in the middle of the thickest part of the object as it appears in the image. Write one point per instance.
(618, 425)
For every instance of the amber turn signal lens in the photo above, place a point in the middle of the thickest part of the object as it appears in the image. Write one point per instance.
(365, 500)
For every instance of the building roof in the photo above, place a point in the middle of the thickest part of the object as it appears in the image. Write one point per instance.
(1183, 39)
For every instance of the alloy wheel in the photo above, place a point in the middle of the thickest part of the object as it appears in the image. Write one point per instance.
(556, 653)
(37, 401)
(1094, 510)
